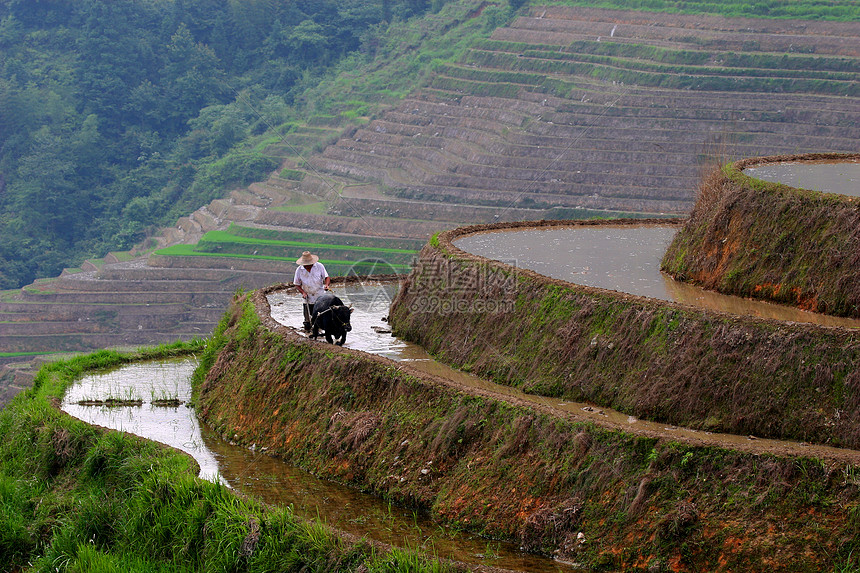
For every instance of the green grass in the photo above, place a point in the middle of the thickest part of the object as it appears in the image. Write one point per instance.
(573, 62)
(672, 56)
(334, 267)
(214, 237)
(307, 237)
(339, 258)
(124, 256)
(492, 76)
(78, 498)
(318, 208)
(292, 174)
(14, 354)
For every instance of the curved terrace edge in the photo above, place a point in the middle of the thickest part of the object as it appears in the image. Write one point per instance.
(649, 358)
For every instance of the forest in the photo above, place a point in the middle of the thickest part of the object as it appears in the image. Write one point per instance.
(118, 116)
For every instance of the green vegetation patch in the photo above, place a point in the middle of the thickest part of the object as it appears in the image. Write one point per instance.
(308, 237)
(506, 68)
(292, 174)
(633, 58)
(13, 354)
(78, 498)
(335, 267)
(673, 56)
(318, 208)
(213, 239)
(339, 257)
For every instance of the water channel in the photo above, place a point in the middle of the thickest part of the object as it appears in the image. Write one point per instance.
(161, 389)
(158, 392)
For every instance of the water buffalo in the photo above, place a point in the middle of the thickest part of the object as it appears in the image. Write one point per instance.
(332, 317)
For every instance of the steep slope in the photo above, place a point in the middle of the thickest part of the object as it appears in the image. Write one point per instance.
(595, 494)
(607, 109)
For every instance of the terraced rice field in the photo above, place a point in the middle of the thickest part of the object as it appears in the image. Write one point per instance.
(586, 108)
(565, 113)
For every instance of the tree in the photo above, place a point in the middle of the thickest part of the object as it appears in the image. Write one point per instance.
(308, 41)
(190, 78)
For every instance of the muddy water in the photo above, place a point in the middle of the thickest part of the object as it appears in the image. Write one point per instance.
(622, 258)
(827, 177)
(273, 481)
(145, 382)
(267, 478)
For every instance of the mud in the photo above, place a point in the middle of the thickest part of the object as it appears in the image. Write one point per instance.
(371, 334)
(252, 472)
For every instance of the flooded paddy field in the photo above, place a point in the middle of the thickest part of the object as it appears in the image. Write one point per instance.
(151, 399)
(148, 385)
(825, 176)
(370, 334)
(160, 390)
(622, 258)
(141, 399)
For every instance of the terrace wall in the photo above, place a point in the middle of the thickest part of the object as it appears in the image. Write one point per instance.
(766, 240)
(594, 495)
(648, 358)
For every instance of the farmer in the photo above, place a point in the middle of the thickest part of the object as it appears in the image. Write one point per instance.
(311, 281)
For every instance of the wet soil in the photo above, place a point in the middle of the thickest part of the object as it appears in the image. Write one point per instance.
(251, 471)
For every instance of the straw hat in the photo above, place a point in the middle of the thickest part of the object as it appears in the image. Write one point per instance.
(307, 259)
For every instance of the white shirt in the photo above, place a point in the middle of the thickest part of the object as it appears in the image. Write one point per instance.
(311, 282)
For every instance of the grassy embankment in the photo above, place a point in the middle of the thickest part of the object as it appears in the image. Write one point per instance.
(78, 498)
(753, 238)
(648, 358)
(555, 484)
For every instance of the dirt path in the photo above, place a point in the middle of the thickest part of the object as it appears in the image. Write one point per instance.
(371, 336)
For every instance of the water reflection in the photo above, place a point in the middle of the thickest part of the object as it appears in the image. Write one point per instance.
(362, 514)
(622, 258)
(344, 508)
(828, 177)
(613, 257)
(147, 382)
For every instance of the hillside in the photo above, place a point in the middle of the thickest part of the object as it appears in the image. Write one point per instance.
(562, 113)
(573, 108)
